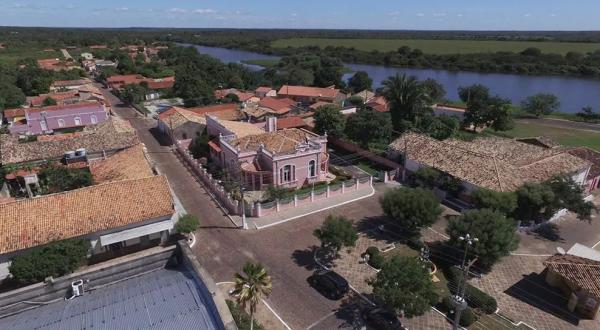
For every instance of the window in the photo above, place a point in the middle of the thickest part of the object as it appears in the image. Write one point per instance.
(77, 121)
(94, 119)
(287, 173)
(61, 123)
(312, 169)
(43, 125)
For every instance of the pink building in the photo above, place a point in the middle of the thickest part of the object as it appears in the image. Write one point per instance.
(45, 120)
(287, 158)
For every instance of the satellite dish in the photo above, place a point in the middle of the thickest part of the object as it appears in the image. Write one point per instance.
(561, 250)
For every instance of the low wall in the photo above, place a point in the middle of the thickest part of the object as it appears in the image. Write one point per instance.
(353, 148)
(100, 274)
(263, 209)
(212, 184)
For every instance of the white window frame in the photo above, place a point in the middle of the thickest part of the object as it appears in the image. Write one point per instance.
(291, 173)
(61, 123)
(94, 119)
(312, 168)
(43, 125)
(77, 121)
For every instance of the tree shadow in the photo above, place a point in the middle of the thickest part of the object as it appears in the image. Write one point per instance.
(533, 290)
(548, 231)
(160, 137)
(349, 312)
(306, 258)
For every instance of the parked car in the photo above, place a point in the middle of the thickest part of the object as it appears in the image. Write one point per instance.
(331, 284)
(381, 319)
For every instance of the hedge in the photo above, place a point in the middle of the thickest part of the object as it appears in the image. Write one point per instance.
(475, 297)
(241, 318)
(467, 317)
(376, 260)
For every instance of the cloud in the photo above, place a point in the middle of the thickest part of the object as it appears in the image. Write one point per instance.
(421, 15)
(527, 15)
(204, 11)
(459, 15)
(178, 10)
(121, 9)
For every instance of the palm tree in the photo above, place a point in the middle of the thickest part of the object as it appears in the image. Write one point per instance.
(250, 289)
(407, 98)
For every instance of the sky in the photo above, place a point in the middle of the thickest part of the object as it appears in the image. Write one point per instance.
(334, 14)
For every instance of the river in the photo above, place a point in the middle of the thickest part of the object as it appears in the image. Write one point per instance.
(574, 93)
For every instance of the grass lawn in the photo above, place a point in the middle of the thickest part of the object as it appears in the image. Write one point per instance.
(439, 46)
(495, 322)
(10, 56)
(564, 136)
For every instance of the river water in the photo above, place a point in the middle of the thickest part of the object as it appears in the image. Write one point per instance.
(574, 93)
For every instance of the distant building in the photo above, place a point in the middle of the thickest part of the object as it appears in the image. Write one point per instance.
(120, 81)
(378, 103)
(243, 97)
(46, 120)
(265, 91)
(59, 85)
(55, 64)
(86, 56)
(308, 95)
(277, 107)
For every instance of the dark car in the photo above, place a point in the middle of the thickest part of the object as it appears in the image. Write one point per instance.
(329, 283)
(382, 319)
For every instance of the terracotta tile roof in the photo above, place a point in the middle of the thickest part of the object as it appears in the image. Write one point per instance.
(60, 98)
(278, 142)
(278, 105)
(110, 135)
(127, 164)
(214, 108)
(37, 221)
(242, 96)
(176, 116)
(494, 163)
(307, 91)
(241, 129)
(366, 95)
(263, 89)
(449, 107)
(581, 272)
(160, 84)
(379, 104)
(290, 122)
(126, 79)
(319, 104)
(65, 83)
(590, 155)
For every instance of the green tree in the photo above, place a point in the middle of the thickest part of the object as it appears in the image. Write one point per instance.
(433, 89)
(59, 178)
(426, 177)
(360, 81)
(48, 101)
(569, 195)
(408, 100)
(251, 288)
(10, 95)
(187, 224)
(411, 208)
(484, 110)
(367, 126)
(505, 202)
(336, 232)
(439, 127)
(473, 92)
(541, 104)
(404, 284)
(199, 147)
(329, 119)
(54, 259)
(533, 202)
(496, 234)
(134, 93)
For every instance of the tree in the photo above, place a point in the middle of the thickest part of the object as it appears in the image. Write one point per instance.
(187, 224)
(569, 195)
(360, 81)
(434, 90)
(505, 202)
(252, 287)
(407, 99)
(473, 92)
(532, 201)
(588, 114)
(367, 126)
(59, 178)
(55, 259)
(10, 95)
(134, 93)
(484, 110)
(541, 104)
(48, 101)
(439, 127)
(404, 283)
(495, 232)
(411, 208)
(199, 147)
(329, 119)
(426, 177)
(336, 232)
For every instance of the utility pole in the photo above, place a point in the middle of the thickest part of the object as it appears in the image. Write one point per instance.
(242, 201)
(458, 300)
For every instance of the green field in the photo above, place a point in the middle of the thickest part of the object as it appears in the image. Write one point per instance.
(439, 46)
(10, 56)
(564, 136)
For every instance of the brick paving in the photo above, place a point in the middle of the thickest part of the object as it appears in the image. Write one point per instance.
(431, 320)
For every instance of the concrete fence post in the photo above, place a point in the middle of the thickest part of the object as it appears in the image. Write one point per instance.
(357, 183)
(371, 181)
(258, 210)
(312, 196)
(277, 206)
(295, 200)
(343, 187)
(327, 192)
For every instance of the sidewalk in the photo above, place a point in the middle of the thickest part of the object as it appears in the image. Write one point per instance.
(300, 211)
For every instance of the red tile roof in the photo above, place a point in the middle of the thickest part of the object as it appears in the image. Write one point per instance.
(319, 104)
(308, 91)
(290, 122)
(263, 89)
(590, 155)
(278, 105)
(581, 272)
(59, 97)
(160, 84)
(214, 108)
(126, 79)
(64, 83)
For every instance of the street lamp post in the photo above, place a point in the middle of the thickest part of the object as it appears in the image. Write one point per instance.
(458, 300)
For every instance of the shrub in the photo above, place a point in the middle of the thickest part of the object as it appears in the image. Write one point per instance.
(371, 250)
(241, 318)
(55, 259)
(475, 297)
(467, 317)
(415, 243)
(187, 224)
(445, 305)
(376, 261)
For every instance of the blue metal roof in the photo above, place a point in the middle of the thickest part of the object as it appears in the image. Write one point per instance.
(163, 299)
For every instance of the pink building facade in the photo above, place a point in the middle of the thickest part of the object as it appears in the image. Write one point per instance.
(46, 120)
(288, 158)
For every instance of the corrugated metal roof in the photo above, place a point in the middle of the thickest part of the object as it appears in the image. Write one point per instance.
(164, 299)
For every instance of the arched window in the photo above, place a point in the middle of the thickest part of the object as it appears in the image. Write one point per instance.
(312, 169)
(287, 173)
(77, 121)
(93, 119)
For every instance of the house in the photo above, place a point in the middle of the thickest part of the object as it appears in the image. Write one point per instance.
(86, 92)
(592, 156)
(180, 124)
(61, 85)
(227, 111)
(55, 64)
(101, 140)
(493, 163)
(579, 280)
(319, 104)
(243, 97)
(450, 110)
(308, 95)
(155, 86)
(289, 122)
(265, 91)
(128, 164)
(86, 56)
(378, 103)
(119, 81)
(46, 120)
(110, 216)
(277, 107)
(287, 158)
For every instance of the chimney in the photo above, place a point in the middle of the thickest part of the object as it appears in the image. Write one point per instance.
(271, 124)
